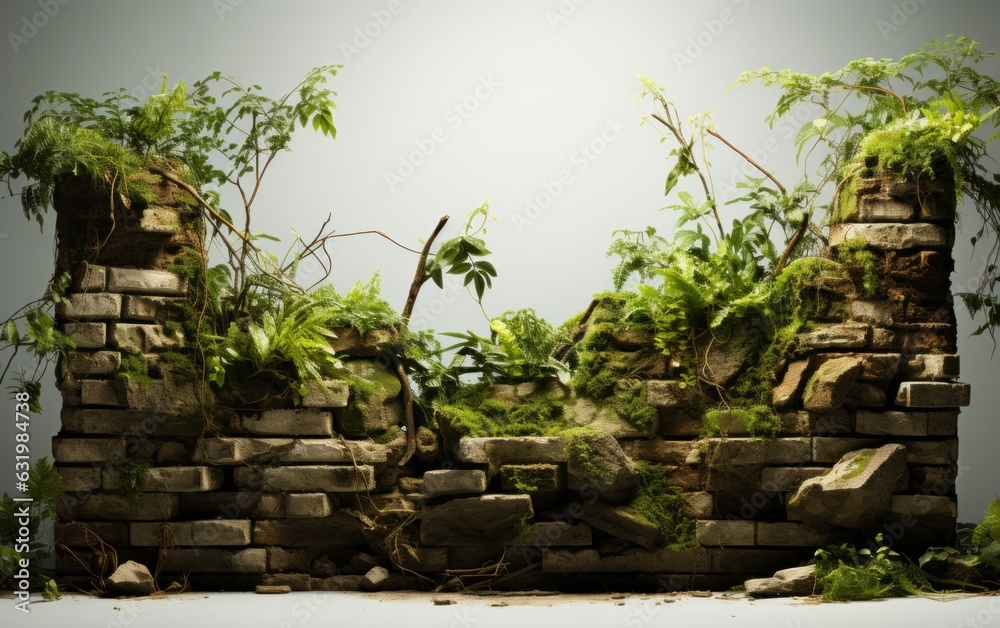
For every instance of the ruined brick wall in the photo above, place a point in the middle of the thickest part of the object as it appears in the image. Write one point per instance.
(305, 496)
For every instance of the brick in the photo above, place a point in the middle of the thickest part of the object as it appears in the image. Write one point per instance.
(503, 450)
(246, 561)
(882, 313)
(91, 364)
(923, 506)
(932, 395)
(148, 507)
(841, 336)
(454, 482)
(164, 220)
(149, 309)
(103, 392)
(142, 338)
(892, 423)
(91, 305)
(701, 504)
(335, 451)
(749, 451)
(309, 422)
(875, 209)
(80, 479)
(233, 505)
(669, 394)
(828, 450)
(942, 423)
(474, 520)
(340, 529)
(133, 281)
(171, 479)
(943, 452)
(696, 560)
(95, 421)
(310, 478)
(332, 393)
(787, 391)
(725, 532)
(231, 451)
(893, 236)
(87, 335)
(307, 505)
(931, 366)
(553, 534)
(531, 478)
(933, 480)
(791, 534)
(85, 534)
(91, 278)
(217, 532)
(783, 479)
(77, 450)
(673, 452)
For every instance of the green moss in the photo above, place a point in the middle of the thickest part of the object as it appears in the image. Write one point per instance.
(847, 202)
(387, 436)
(471, 412)
(592, 377)
(172, 327)
(859, 463)
(526, 479)
(861, 264)
(911, 148)
(759, 421)
(580, 453)
(134, 368)
(181, 363)
(631, 405)
(133, 472)
(664, 505)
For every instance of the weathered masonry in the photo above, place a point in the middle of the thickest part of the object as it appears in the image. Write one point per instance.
(156, 466)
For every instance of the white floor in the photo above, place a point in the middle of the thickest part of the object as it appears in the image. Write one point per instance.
(325, 610)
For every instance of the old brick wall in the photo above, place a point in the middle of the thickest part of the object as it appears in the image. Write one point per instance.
(305, 496)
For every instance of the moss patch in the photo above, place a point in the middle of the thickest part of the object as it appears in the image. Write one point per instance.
(387, 436)
(133, 472)
(135, 369)
(759, 421)
(470, 412)
(664, 505)
(631, 405)
(580, 453)
(859, 464)
(861, 264)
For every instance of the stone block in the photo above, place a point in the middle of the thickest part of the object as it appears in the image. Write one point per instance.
(679, 424)
(784, 479)
(326, 450)
(942, 452)
(333, 393)
(791, 534)
(342, 528)
(236, 451)
(283, 559)
(80, 479)
(750, 451)
(97, 363)
(143, 338)
(280, 583)
(475, 520)
(930, 366)
(79, 450)
(828, 450)
(892, 423)
(232, 505)
(87, 335)
(85, 534)
(796, 581)
(90, 306)
(620, 523)
(302, 422)
(105, 506)
(163, 220)
(787, 391)
(942, 423)
(152, 309)
(894, 236)
(882, 209)
(673, 452)
(840, 336)
(933, 480)
(170, 479)
(714, 533)
(307, 506)
(157, 282)
(454, 482)
(499, 450)
(696, 560)
(923, 506)
(531, 478)
(307, 478)
(91, 278)
(932, 395)
(96, 421)
(883, 313)
(103, 392)
(247, 561)
(668, 394)
(701, 504)
(553, 534)
(211, 532)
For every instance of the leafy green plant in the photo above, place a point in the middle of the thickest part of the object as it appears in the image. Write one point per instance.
(845, 573)
(979, 547)
(362, 307)
(44, 489)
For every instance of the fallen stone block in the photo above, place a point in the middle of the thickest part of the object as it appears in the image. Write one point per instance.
(131, 578)
(596, 462)
(620, 523)
(475, 520)
(787, 582)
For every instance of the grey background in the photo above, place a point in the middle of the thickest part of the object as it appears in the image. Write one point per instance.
(561, 74)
